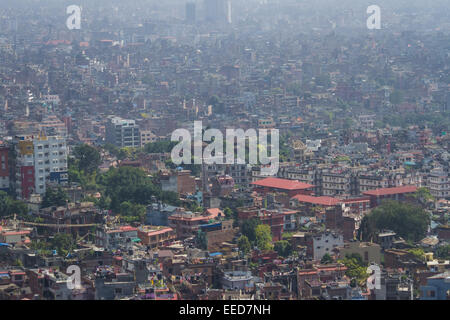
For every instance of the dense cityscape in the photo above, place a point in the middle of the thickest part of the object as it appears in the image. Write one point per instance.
(95, 206)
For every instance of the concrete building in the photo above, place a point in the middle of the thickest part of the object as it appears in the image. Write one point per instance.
(155, 236)
(238, 280)
(218, 11)
(4, 168)
(326, 242)
(369, 252)
(438, 183)
(190, 12)
(40, 160)
(121, 237)
(147, 137)
(437, 287)
(122, 133)
(50, 161)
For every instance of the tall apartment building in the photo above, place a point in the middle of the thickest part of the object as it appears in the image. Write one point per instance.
(4, 168)
(24, 166)
(336, 183)
(39, 160)
(50, 161)
(190, 12)
(438, 182)
(218, 11)
(122, 132)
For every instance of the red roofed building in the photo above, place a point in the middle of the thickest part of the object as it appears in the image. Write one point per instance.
(187, 224)
(291, 187)
(357, 206)
(155, 236)
(396, 193)
(320, 273)
(319, 201)
(15, 236)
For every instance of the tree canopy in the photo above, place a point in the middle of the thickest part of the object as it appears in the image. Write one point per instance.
(248, 228)
(326, 259)
(244, 245)
(263, 237)
(9, 206)
(283, 248)
(408, 221)
(160, 146)
(356, 268)
(88, 158)
(132, 185)
(54, 197)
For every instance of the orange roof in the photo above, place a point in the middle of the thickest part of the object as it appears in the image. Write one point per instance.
(390, 191)
(191, 218)
(282, 184)
(122, 229)
(156, 232)
(323, 201)
(16, 233)
(214, 212)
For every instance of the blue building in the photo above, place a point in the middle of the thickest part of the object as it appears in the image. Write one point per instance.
(437, 288)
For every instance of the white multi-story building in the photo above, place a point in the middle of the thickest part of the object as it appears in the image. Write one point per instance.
(39, 160)
(438, 183)
(50, 161)
(122, 132)
(325, 243)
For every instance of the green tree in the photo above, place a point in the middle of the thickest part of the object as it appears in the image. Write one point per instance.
(408, 221)
(228, 213)
(283, 248)
(263, 237)
(127, 184)
(104, 202)
(9, 206)
(423, 195)
(128, 208)
(88, 158)
(418, 253)
(244, 244)
(63, 243)
(54, 197)
(326, 259)
(356, 268)
(165, 146)
(443, 252)
(248, 228)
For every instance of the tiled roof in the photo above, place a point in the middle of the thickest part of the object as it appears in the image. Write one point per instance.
(282, 184)
(391, 191)
(324, 201)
